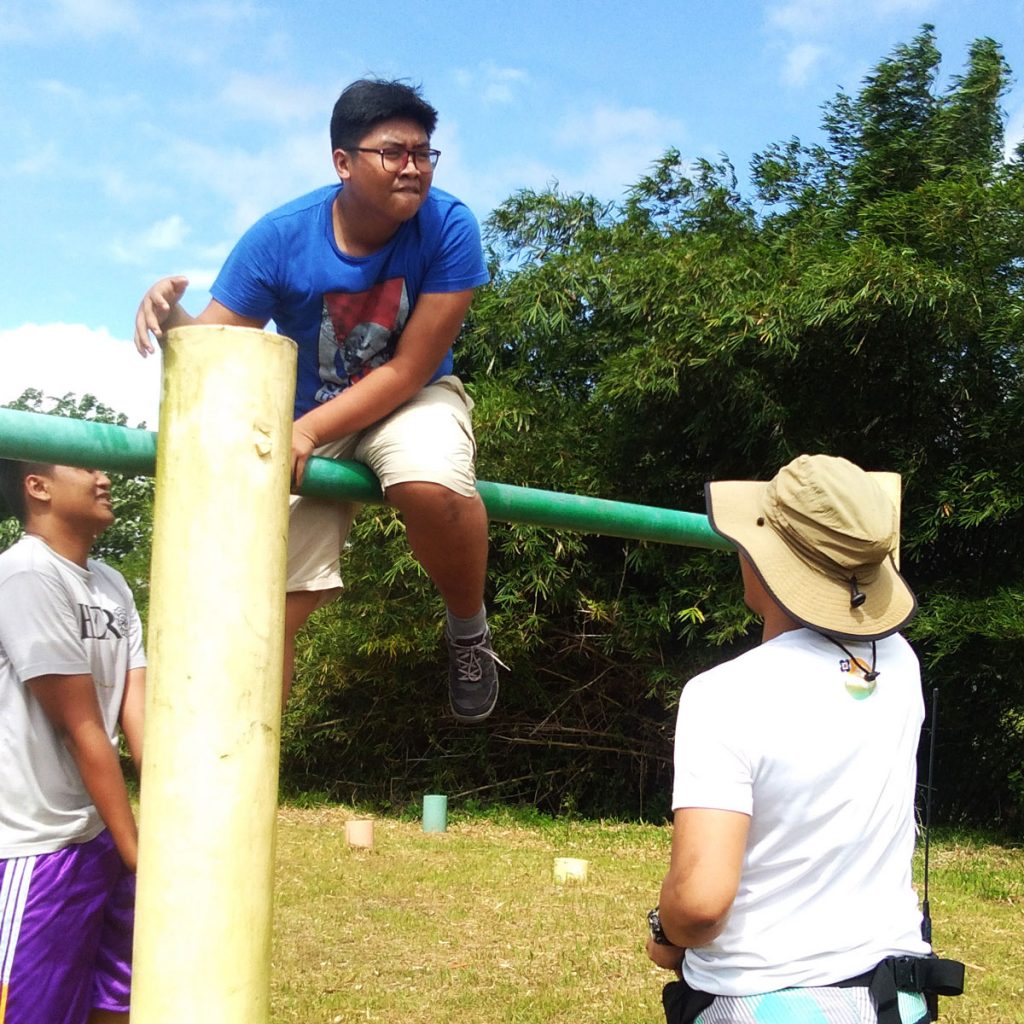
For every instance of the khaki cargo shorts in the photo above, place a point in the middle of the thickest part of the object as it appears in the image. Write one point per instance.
(430, 438)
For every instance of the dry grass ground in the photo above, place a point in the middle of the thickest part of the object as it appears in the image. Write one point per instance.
(469, 925)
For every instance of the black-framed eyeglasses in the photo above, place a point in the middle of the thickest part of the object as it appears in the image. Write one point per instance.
(395, 158)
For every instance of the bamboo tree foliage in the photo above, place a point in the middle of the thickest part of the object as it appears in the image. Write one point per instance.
(127, 543)
(865, 301)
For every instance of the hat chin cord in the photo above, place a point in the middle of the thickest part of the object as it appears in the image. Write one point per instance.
(870, 675)
(857, 598)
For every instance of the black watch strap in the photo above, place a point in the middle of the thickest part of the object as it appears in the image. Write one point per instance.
(657, 932)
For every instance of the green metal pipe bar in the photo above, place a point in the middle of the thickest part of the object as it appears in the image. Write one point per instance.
(44, 438)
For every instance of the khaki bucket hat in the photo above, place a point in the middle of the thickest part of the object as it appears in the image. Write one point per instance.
(821, 537)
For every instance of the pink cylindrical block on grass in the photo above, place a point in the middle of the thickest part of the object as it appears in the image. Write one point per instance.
(359, 832)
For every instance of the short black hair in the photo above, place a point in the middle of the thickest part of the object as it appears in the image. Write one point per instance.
(368, 101)
(12, 486)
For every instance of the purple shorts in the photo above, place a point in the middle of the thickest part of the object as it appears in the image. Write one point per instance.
(66, 921)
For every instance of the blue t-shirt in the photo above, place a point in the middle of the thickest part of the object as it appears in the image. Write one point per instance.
(347, 313)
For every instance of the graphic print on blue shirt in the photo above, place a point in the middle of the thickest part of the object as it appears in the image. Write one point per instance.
(359, 332)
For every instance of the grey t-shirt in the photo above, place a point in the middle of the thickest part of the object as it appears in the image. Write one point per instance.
(56, 618)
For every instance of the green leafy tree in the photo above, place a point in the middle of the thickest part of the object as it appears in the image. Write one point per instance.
(127, 544)
(874, 311)
(866, 300)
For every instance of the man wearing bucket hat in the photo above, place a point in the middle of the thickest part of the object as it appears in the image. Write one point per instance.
(789, 886)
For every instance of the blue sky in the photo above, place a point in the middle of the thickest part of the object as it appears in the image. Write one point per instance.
(142, 138)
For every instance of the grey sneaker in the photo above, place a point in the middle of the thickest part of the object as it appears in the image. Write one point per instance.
(472, 676)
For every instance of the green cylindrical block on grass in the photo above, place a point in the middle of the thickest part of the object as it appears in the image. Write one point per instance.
(435, 812)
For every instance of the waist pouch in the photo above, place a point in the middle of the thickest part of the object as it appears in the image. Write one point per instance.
(928, 975)
(683, 1004)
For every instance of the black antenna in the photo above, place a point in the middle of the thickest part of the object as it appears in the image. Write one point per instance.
(926, 914)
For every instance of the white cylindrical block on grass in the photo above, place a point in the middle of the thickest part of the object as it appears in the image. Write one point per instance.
(213, 707)
(570, 869)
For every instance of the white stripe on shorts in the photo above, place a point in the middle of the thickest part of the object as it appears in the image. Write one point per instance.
(834, 1005)
(13, 897)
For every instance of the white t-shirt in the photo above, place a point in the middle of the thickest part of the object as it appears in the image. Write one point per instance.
(56, 618)
(825, 764)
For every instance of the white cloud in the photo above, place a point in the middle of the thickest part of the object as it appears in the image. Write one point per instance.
(126, 187)
(61, 358)
(819, 17)
(1014, 132)
(606, 126)
(168, 233)
(91, 104)
(608, 148)
(801, 61)
(222, 12)
(41, 20)
(811, 17)
(40, 161)
(199, 280)
(491, 83)
(808, 34)
(294, 164)
(97, 17)
(614, 147)
(264, 98)
(58, 90)
(486, 180)
(163, 236)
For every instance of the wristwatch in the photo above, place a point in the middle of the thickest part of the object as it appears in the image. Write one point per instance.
(657, 932)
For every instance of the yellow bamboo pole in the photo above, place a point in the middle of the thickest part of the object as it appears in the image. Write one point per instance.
(213, 709)
(892, 484)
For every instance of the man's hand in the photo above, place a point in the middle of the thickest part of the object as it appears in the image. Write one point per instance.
(669, 958)
(156, 310)
(303, 444)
